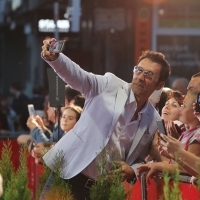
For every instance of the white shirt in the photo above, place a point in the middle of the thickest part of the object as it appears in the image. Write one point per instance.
(121, 138)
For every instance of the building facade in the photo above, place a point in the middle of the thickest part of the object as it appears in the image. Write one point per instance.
(100, 36)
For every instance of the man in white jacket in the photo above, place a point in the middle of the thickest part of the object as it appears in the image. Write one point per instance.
(116, 115)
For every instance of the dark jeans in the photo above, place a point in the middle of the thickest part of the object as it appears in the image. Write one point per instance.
(47, 186)
(80, 186)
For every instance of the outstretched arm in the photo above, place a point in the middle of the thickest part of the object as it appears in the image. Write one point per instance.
(87, 83)
(184, 158)
(153, 169)
(37, 130)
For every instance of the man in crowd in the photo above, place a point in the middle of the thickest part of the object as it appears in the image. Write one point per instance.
(117, 118)
(194, 84)
(180, 84)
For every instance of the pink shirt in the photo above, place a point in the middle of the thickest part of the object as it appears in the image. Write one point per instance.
(189, 136)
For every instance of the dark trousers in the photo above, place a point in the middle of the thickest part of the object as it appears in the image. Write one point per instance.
(47, 186)
(80, 186)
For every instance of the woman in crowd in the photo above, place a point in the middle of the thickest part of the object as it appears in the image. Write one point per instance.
(38, 130)
(190, 140)
(70, 116)
(166, 94)
(170, 113)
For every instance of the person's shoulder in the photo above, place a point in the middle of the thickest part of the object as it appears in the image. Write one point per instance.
(152, 110)
(109, 74)
(150, 106)
(113, 76)
(197, 131)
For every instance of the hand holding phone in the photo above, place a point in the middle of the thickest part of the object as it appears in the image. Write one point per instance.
(56, 46)
(161, 128)
(31, 144)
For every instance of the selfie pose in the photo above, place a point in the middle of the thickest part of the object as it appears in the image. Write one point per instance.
(116, 118)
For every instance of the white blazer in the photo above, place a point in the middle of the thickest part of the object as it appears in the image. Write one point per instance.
(105, 100)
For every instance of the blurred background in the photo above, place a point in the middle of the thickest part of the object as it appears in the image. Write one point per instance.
(102, 35)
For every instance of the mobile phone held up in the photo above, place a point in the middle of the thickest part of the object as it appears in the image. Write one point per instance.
(161, 126)
(56, 46)
(198, 103)
(31, 110)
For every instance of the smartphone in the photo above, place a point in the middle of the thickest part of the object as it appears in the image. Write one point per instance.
(33, 144)
(161, 126)
(198, 103)
(31, 110)
(56, 46)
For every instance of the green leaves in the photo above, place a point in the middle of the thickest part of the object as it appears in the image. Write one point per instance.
(15, 182)
(58, 189)
(108, 186)
(172, 191)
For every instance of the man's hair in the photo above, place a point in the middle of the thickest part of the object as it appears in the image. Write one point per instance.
(196, 75)
(184, 81)
(192, 94)
(37, 89)
(160, 59)
(178, 96)
(70, 93)
(79, 100)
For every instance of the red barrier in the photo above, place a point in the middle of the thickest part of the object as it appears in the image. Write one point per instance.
(15, 151)
(154, 190)
(139, 191)
(34, 170)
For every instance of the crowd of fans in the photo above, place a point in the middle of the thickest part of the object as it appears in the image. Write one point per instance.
(171, 152)
(179, 150)
(14, 115)
(42, 128)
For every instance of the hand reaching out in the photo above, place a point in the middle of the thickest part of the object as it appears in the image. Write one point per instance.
(124, 169)
(40, 123)
(152, 169)
(39, 150)
(171, 147)
(45, 51)
(173, 129)
(31, 122)
(155, 168)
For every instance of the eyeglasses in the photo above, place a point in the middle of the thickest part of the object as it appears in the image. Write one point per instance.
(148, 74)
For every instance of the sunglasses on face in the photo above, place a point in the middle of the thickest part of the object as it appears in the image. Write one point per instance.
(148, 74)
